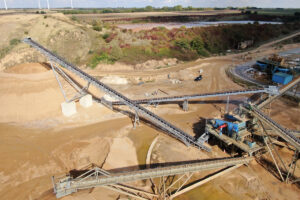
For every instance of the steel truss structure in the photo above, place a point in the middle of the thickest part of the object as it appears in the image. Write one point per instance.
(185, 98)
(158, 121)
(98, 177)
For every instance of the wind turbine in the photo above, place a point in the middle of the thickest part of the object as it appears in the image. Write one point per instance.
(39, 4)
(48, 5)
(72, 4)
(5, 4)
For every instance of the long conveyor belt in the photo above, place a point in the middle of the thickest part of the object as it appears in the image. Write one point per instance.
(281, 92)
(93, 179)
(194, 96)
(282, 132)
(158, 121)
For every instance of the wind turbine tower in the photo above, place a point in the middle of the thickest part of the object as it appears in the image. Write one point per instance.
(5, 4)
(39, 4)
(48, 5)
(72, 4)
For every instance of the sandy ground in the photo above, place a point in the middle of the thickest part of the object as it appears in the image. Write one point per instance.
(38, 142)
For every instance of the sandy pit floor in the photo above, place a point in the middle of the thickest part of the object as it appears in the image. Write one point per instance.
(38, 142)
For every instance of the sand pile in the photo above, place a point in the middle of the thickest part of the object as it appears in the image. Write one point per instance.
(156, 64)
(115, 67)
(28, 68)
(122, 154)
(114, 80)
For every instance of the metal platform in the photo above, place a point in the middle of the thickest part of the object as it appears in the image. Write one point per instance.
(230, 141)
(158, 121)
(96, 177)
(270, 90)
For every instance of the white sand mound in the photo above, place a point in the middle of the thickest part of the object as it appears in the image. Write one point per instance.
(109, 98)
(115, 80)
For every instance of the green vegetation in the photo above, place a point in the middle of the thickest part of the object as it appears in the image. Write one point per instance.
(105, 36)
(42, 12)
(97, 28)
(129, 10)
(14, 42)
(102, 58)
(182, 43)
(74, 18)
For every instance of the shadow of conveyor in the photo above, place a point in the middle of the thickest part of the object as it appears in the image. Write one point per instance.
(77, 172)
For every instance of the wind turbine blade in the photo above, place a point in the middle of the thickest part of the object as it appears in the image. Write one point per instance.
(5, 4)
(48, 5)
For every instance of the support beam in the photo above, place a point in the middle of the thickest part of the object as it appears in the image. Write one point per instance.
(185, 105)
(201, 182)
(59, 83)
(93, 178)
(227, 105)
(293, 165)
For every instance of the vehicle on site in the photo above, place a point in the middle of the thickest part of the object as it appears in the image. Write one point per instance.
(198, 78)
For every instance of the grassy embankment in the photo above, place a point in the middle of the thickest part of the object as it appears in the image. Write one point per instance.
(185, 44)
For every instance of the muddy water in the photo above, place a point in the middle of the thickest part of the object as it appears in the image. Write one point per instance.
(206, 192)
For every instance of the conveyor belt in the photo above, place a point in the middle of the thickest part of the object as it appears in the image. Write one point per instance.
(158, 121)
(93, 179)
(282, 132)
(194, 96)
(281, 92)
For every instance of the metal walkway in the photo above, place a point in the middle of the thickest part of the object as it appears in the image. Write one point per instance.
(281, 92)
(158, 121)
(282, 132)
(96, 177)
(198, 96)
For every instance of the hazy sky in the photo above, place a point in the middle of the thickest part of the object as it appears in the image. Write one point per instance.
(155, 3)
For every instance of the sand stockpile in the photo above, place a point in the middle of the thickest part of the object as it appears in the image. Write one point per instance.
(28, 68)
(114, 80)
(122, 154)
(30, 93)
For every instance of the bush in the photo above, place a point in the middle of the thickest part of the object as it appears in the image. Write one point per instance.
(14, 42)
(43, 12)
(102, 58)
(182, 44)
(198, 45)
(45, 17)
(97, 28)
(105, 36)
(74, 18)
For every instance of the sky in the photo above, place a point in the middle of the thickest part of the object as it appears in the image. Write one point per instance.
(154, 3)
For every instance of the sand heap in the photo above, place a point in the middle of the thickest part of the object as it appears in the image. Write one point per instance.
(28, 92)
(28, 68)
(115, 80)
